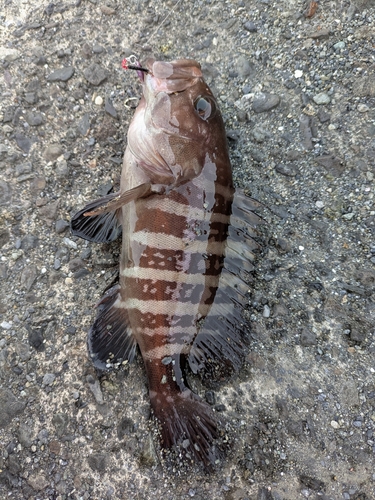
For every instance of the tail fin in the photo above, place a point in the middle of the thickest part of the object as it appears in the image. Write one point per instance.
(188, 426)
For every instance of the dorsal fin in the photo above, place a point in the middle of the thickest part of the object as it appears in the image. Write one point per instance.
(220, 345)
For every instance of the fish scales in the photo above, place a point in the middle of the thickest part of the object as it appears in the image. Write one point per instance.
(181, 287)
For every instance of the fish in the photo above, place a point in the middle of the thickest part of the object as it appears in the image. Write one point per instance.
(189, 242)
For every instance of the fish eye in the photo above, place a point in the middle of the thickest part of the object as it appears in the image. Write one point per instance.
(205, 107)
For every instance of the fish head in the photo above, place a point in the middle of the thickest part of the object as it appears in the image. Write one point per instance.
(177, 129)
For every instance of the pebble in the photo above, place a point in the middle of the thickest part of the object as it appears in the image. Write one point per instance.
(98, 462)
(48, 379)
(95, 74)
(335, 424)
(61, 75)
(52, 152)
(321, 98)
(28, 276)
(244, 67)
(8, 54)
(5, 193)
(339, 46)
(109, 108)
(98, 100)
(250, 26)
(83, 125)
(363, 108)
(266, 311)
(61, 226)
(34, 119)
(308, 338)
(70, 243)
(10, 407)
(287, 169)
(265, 101)
(23, 142)
(95, 389)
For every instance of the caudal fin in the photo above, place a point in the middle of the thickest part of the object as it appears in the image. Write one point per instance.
(188, 426)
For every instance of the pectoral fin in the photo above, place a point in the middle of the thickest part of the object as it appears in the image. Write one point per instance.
(121, 199)
(101, 228)
(99, 221)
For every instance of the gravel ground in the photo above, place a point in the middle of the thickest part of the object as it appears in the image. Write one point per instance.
(298, 98)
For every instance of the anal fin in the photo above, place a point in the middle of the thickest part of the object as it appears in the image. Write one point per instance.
(110, 340)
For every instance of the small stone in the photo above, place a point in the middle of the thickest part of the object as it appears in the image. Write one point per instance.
(266, 311)
(98, 462)
(29, 242)
(34, 119)
(364, 86)
(323, 116)
(60, 422)
(61, 169)
(332, 164)
(288, 169)
(55, 447)
(23, 168)
(38, 482)
(70, 243)
(76, 264)
(36, 339)
(339, 46)
(61, 75)
(98, 100)
(52, 152)
(244, 67)
(95, 74)
(210, 397)
(49, 212)
(10, 407)
(250, 26)
(95, 389)
(97, 49)
(322, 98)
(48, 379)
(265, 102)
(320, 34)
(24, 434)
(23, 142)
(84, 124)
(23, 351)
(28, 276)
(335, 424)
(363, 108)
(9, 55)
(61, 226)
(108, 11)
(298, 73)
(308, 338)
(109, 108)
(5, 193)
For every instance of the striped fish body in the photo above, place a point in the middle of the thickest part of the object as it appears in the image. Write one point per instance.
(186, 241)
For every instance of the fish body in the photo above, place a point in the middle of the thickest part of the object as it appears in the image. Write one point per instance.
(187, 239)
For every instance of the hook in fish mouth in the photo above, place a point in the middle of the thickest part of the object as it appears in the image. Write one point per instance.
(131, 62)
